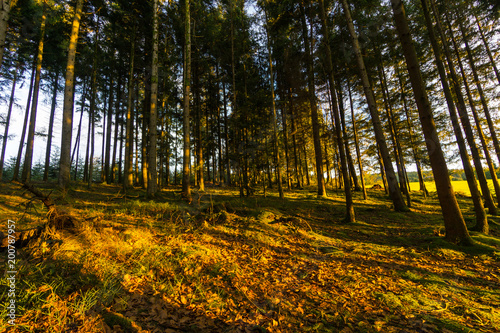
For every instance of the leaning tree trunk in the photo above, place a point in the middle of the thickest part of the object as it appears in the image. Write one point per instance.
(349, 217)
(480, 90)
(456, 230)
(398, 154)
(28, 158)
(67, 122)
(25, 125)
(51, 127)
(356, 142)
(392, 182)
(479, 128)
(109, 114)
(486, 46)
(469, 172)
(7, 121)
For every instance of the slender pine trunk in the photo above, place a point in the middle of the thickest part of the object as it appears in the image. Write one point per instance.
(51, 127)
(7, 121)
(28, 158)
(456, 230)
(67, 124)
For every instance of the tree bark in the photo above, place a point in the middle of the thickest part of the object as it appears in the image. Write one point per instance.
(129, 131)
(480, 90)
(67, 123)
(356, 143)
(313, 105)
(4, 20)
(486, 46)
(469, 172)
(349, 216)
(25, 126)
(392, 182)
(186, 190)
(456, 230)
(7, 121)
(479, 129)
(273, 107)
(398, 158)
(153, 117)
(107, 149)
(51, 127)
(30, 141)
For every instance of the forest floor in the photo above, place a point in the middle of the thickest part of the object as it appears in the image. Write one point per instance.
(257, 264)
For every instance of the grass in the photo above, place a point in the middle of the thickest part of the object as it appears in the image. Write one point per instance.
(460, 186)
(230, 264)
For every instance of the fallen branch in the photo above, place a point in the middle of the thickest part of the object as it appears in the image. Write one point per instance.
(57, 217)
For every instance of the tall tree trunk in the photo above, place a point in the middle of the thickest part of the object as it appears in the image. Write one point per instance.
(129, 135)
(153, 117)
(79, 131)
(67, 123)
(51, 127)
(120, 159)
(92, 147)
(464, 118)
(92, 109)
(186, 190)
(392, 182)
(350, 163)
(313, 105)
(114, 170)
(349, 217)
(219, 127)
(198, 120)
(28, 158)
(4, 20)
(456, 230)
(479, 87)
(479, 129)
(107, 150)
(486, 46)
(135, 134)
(398, 158)
(413, 144)
(356, 142)
(273, 107)
(25, 126)
(287, 153)
(7, 121)
(226, 136)
(87, 150)
(294, 137)
(469, 172)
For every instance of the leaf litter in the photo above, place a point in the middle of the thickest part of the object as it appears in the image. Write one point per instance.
(255, 265)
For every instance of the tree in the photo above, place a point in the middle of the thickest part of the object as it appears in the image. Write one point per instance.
(469, 172)
(186, 189)
(456, 230)
(4, 19)
(394, 191)
(152, 163)
(67, 123)
(335, 110)
(26, 174)
(313, 105)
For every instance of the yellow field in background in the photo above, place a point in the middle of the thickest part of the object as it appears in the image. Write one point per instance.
(459, 186)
